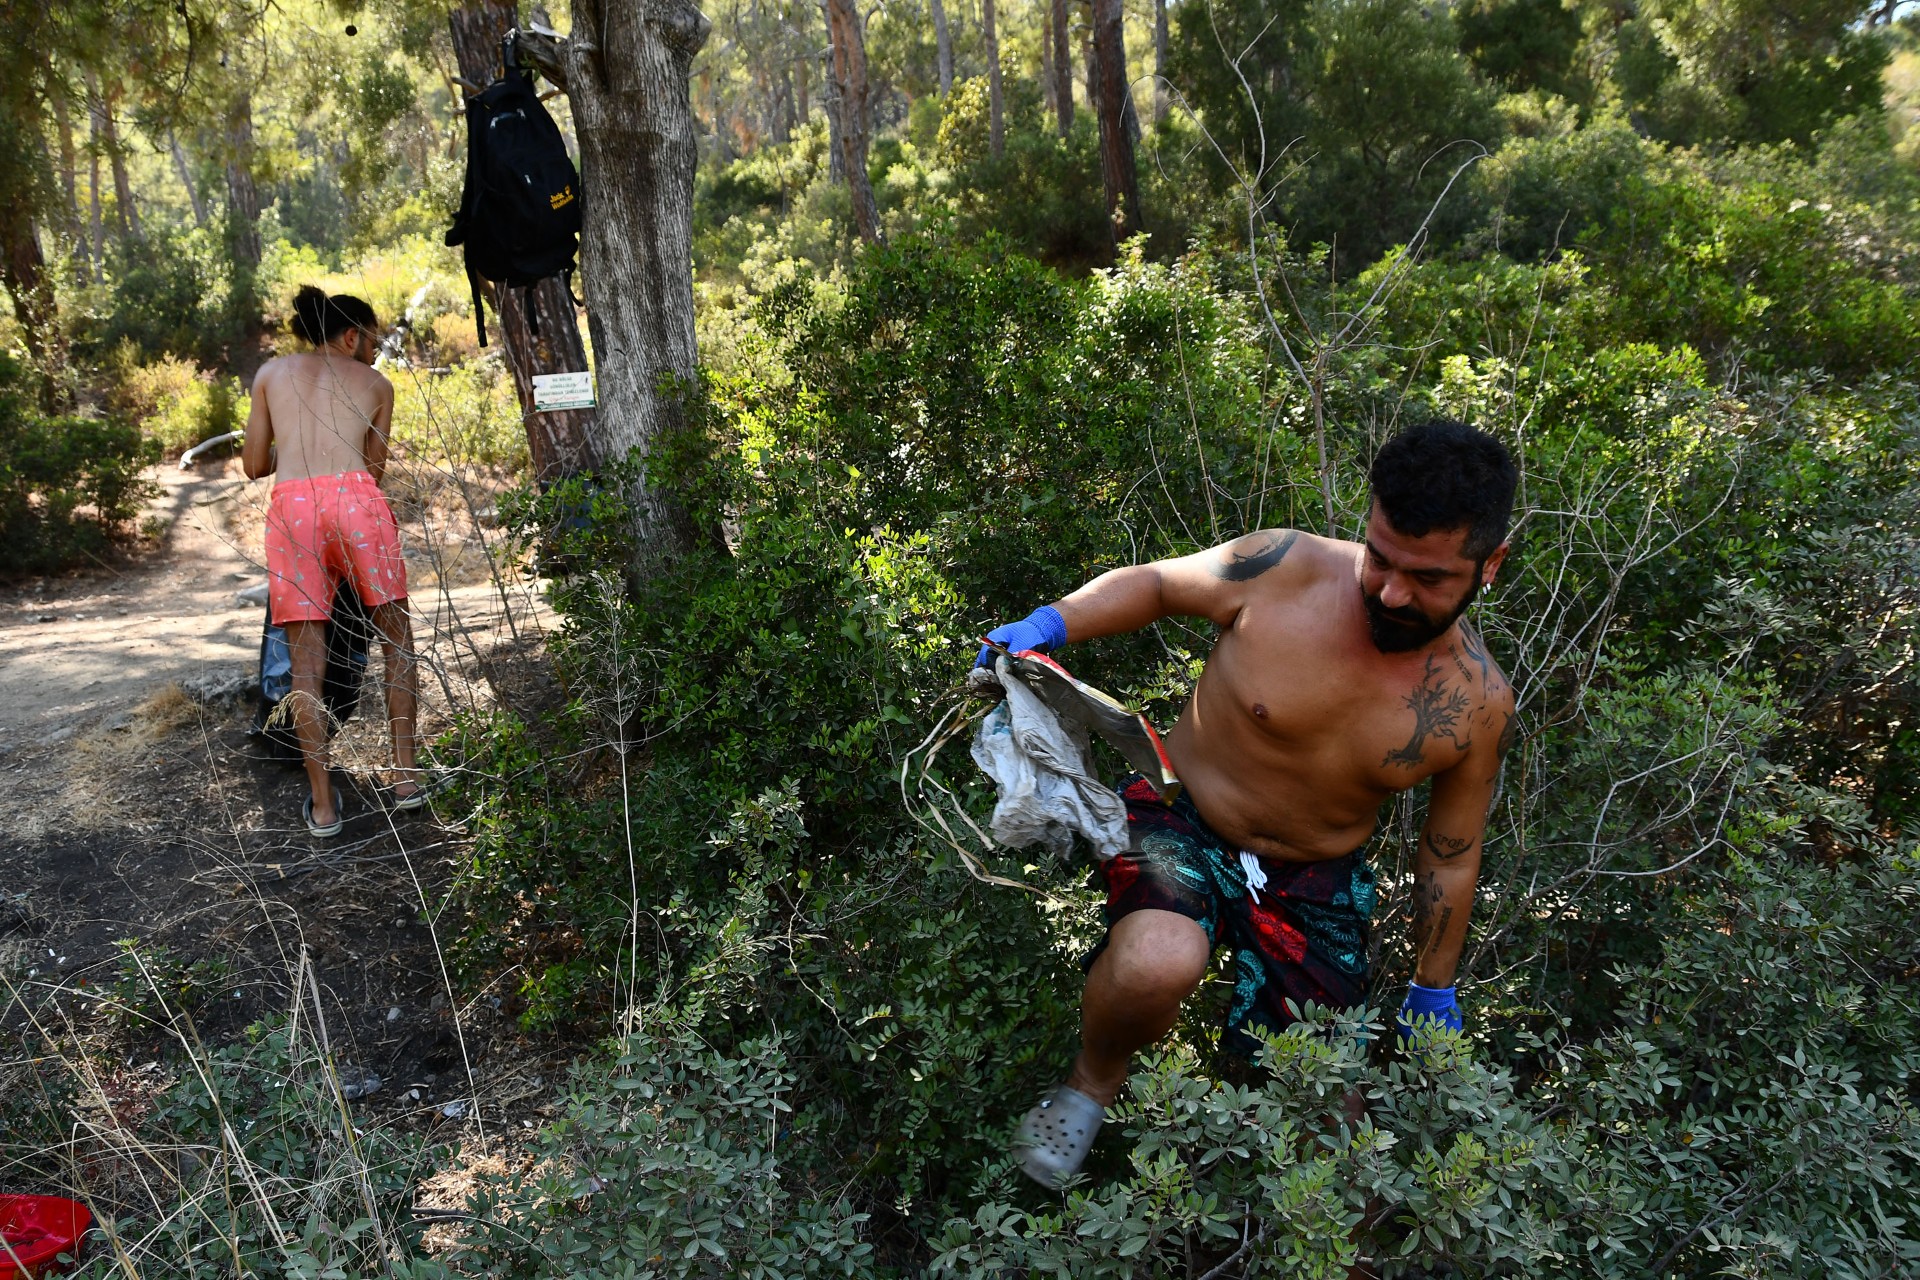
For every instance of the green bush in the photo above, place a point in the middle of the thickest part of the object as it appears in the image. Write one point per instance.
(469, 414)
(69, 486)
(204, 406)
(1691, 973)
(262, 1178)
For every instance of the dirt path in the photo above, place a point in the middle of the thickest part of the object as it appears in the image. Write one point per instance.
(130, 810)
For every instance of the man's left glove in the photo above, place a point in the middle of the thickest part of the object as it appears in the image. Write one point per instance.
(1043, 629)
(1426, 1006)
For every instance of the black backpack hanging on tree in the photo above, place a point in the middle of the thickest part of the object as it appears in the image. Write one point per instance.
(520, 209)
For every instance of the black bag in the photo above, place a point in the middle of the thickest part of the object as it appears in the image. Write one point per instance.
(520, 209)
(349, 638)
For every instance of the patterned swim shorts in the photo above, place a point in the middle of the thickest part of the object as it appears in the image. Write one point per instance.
(1299, 935)
(321, 529)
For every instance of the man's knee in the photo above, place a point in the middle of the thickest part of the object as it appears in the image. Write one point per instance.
(1157, 956)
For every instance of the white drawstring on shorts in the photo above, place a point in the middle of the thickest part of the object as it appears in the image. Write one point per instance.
(1256, 874)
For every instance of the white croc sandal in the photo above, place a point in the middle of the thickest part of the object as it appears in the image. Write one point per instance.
(1054, 1138)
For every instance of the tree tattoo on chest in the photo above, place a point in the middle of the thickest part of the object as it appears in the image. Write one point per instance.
(1436, 714)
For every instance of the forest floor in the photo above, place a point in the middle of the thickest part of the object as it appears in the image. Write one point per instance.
(134, 804)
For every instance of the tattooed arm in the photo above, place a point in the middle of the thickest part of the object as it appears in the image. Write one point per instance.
(1446, 867)
(1211, 584)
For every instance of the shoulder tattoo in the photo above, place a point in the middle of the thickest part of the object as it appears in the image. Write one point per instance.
(1244, 566)
(1508, 732)
(1437, 710)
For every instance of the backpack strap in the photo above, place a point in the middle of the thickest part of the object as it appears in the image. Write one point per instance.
(479, 306)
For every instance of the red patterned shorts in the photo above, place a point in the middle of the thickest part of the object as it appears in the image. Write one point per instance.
(1300, 937)
(321, 529)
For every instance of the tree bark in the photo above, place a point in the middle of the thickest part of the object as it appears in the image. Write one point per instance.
(626, 71)
(996, 111)
(784, 121)
(96, 234)
(558, 440)
(23, 269)
(1162, 91)
(1046, 53)
(1062, 68)
(69, 182)
(125, 212)
(243, 210)
(803, 104)
(856, 121)
(1117, 172)
(836, 156)
(943, 47)
(186, 179)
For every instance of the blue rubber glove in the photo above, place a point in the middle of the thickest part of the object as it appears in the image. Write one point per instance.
(1043, 629)
(1425, 1006)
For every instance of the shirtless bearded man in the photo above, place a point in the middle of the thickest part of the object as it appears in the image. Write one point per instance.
(1344, 673)
(319, 425)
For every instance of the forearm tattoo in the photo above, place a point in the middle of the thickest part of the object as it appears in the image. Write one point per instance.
(1248, 565)
(1447, 848)
(1429, 925)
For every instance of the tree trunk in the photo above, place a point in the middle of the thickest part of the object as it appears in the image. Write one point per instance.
(996, 115)
(186, 180)
(1046, 53)
(1062, 69)
(125, 212)
(784, 120)
(1117, 173)
(856, 121)
(243, 214)
(69, 182)
(943, 47)
(803, 105)
(1162, 91)
(558, 440)
(23, 270)
(836, 156)
(95, 232)
(626, 72)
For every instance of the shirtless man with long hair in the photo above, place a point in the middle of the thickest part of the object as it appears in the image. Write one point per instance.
(319, 426)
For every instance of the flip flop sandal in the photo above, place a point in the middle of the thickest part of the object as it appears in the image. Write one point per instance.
(317, 831)
(421, 796)
(1054, 1138)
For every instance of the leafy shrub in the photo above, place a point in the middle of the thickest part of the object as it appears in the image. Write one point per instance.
(167, 295)
(69, 486)
(1691, 971)
(178, 405)
(1037, 192)
(153, 984)
(268, 1176)
(471, 413)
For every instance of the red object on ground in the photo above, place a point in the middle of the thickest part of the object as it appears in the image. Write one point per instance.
(38, 1229)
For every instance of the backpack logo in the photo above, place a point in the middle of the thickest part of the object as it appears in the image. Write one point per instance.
(562, 197)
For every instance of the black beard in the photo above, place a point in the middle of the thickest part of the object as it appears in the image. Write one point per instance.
(1404, 630)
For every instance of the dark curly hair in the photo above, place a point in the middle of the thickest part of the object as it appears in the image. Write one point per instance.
(320, 319)
(1444, 474)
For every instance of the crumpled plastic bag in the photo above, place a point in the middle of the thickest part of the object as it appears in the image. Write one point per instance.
(1043, 768)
